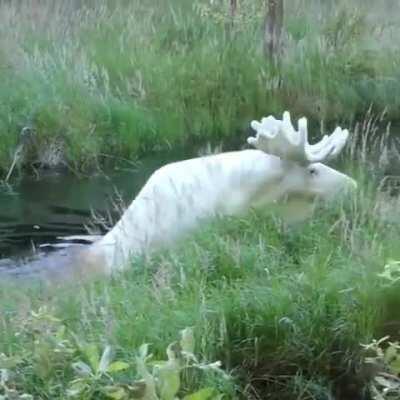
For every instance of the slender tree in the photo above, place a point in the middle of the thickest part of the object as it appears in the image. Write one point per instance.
(233, 4)
(233, 8)
(273, 28)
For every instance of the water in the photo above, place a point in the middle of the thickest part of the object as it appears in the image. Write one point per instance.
(37, 211)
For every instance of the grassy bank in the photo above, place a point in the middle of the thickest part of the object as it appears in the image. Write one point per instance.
(105, 80)
(284, 309)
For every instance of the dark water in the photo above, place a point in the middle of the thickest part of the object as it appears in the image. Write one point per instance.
(37, 211)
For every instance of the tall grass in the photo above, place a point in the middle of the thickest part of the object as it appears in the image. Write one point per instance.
(122, 78)
(285, 309)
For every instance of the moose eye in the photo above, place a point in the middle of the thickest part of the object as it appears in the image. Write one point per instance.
(313, 171)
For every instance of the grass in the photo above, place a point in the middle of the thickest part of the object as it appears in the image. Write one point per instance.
(285, 309)
(122, 79)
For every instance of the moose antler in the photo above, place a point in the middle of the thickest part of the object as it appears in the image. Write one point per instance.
(279, 138)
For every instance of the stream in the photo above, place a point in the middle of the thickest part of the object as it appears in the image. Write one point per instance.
(38, 211)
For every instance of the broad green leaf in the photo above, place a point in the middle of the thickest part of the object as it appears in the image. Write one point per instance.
(168, 380)
(81, 368)
(395, 365)
(203, 394)
(143, 350)
(390, 354)
(105, 360)
(150, 391)
(187, 341)
(91, 352)
(171, 354)
(117, 366)
(115, 392)
(77, 388)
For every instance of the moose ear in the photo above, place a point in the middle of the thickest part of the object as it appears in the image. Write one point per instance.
(279, 138)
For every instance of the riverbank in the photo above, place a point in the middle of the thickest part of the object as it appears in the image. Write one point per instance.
(103, 82)
(286, 311)
(290, 312)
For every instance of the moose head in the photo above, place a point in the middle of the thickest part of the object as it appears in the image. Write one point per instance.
(304, 176)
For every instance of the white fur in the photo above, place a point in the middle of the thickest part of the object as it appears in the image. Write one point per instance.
(181, 195)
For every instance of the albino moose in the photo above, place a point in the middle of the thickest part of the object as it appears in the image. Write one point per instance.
(180, 196)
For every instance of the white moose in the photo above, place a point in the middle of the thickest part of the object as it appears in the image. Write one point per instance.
(180, 196)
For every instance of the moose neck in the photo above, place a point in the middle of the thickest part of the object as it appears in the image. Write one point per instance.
(180, 196)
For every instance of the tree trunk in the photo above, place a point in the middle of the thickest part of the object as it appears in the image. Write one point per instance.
(233, 8)
(273, 28)
(232, 11)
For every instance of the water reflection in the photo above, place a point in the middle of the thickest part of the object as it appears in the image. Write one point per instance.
(37, 211)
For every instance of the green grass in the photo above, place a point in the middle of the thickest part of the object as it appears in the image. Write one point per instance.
(285, 309)
(122, 79)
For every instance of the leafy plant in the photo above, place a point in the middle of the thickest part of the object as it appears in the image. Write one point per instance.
(158, 379)
(391, 273)
(385, 359)
(97, 373)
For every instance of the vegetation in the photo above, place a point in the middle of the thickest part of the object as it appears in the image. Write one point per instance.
(103, 81)
(289, 312)
(265, 311)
